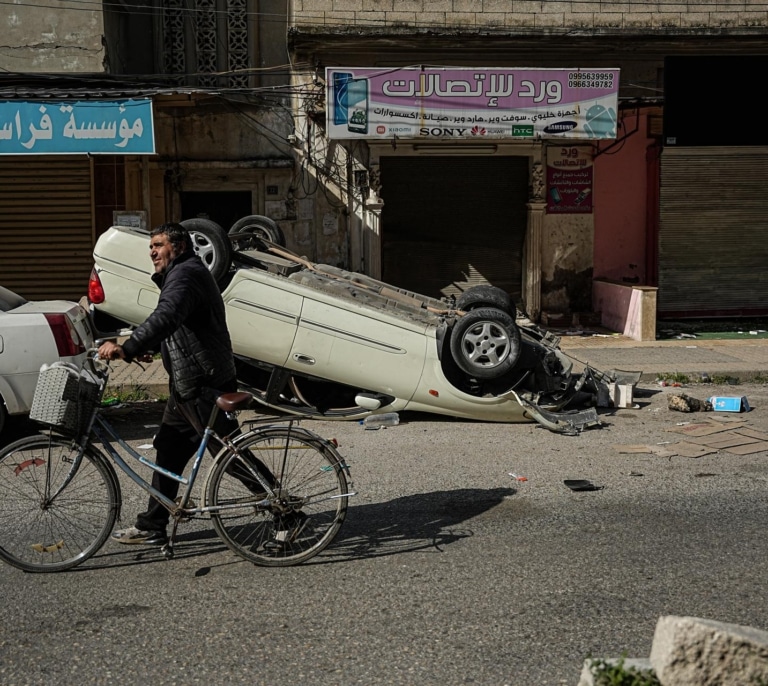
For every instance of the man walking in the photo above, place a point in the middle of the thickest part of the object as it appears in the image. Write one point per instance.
(189, 327)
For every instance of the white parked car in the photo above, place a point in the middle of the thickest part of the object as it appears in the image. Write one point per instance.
(318, 341)
(33, 334)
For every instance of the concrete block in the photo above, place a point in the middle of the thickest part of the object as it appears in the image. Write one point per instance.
(638, 664)
(626, 308)
(688, 651)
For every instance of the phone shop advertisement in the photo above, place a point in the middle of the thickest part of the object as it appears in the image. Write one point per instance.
(453, 103)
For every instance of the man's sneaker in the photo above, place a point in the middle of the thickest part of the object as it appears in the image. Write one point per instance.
(287, 530)
(133, 536)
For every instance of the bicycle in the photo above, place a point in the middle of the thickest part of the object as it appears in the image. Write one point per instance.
(60, 496)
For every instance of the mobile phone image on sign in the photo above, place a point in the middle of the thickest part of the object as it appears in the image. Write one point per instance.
(340, 99)
(357, 103)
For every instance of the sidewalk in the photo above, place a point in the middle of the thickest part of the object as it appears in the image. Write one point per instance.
(739, 358)
(743, 359)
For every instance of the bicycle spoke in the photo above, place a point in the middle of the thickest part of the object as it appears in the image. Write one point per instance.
(39, 533)
(307, 478)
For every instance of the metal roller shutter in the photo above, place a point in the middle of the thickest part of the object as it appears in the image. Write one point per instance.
(46, 226)
(713, 232)
(453, 222)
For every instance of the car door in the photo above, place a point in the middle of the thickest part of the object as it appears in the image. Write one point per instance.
(358, 346)
(262, 316)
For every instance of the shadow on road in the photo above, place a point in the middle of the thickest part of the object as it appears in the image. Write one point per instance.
(425, 521)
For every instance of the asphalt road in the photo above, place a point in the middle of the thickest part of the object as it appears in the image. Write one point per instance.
(447, 570)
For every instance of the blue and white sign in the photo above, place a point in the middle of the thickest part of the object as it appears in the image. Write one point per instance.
(123, 127)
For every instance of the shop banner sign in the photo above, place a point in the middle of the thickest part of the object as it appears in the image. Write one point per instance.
(430, 103)
(123, 127)
(569, 180)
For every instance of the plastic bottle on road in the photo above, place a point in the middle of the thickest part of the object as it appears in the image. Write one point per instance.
(376, 421)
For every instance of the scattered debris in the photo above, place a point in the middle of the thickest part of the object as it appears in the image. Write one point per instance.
(703, 428)
(685, 403)
(729, 403)
(582, 485)
(686, 449)
(516, 477)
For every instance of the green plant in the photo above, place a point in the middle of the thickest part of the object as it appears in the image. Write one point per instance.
(722, 380)
(674, 377)
(126, 394)
(615, 673)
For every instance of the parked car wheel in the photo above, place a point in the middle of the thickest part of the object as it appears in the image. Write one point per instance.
(261, 227)
(211, 244)
(485, 343)
(485, 295)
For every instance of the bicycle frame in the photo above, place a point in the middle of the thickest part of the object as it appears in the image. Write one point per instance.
(101, 428)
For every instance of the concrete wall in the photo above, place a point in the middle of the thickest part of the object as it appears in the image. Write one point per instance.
(51, 36)
(620, 213)
(544, 14)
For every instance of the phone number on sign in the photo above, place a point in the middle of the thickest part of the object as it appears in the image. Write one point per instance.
(590, 80)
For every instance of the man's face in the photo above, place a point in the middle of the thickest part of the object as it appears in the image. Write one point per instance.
(161, 252)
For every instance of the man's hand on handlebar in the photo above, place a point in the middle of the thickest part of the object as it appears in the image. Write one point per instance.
(109, 350)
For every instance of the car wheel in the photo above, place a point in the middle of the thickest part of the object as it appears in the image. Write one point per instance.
(485, 343)
(3, 415)
(211, 244)
(485, 295)
(261, 227)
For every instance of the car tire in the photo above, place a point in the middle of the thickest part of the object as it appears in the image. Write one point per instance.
(211, 244)
(485, 295)
(260, 226)
(485, 343)
(3, 415)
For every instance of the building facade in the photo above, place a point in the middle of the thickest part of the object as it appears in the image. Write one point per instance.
(239, 95)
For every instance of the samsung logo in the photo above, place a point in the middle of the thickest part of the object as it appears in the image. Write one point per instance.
(560, 127)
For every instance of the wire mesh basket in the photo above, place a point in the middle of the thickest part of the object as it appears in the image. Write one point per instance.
(65, 399)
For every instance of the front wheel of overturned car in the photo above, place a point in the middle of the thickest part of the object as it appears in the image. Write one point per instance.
(485, 343)
(485, 295)
(211, 244)
(260, 227)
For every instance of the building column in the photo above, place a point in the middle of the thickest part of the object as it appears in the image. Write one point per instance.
(533, 240)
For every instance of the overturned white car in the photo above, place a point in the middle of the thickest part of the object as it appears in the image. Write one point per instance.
(318, 341)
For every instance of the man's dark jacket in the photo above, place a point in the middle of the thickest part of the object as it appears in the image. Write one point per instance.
(189, 325)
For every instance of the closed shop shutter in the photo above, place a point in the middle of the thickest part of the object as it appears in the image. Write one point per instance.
(46, 226)
(713, 232)
(453, 222)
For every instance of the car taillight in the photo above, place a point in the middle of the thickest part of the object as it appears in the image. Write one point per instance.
(68, 343)
(95, 289)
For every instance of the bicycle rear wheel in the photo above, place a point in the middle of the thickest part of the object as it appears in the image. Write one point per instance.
(42, 529)
(308, 477)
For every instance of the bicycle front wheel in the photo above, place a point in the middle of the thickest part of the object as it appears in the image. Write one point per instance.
(308, 479)
(52, 518)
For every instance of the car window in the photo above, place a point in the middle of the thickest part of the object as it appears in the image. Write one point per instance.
(9, 300)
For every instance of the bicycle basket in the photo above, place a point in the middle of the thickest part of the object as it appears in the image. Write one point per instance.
(65, 399)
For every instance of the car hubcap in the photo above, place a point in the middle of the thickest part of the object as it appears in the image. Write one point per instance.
(486, 345)
(203, 248)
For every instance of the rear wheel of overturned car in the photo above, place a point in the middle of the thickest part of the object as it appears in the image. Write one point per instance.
(259, 226)
(485, 343)
(211, 245)
(485, 295)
